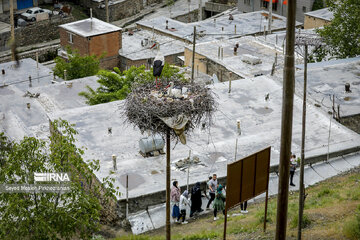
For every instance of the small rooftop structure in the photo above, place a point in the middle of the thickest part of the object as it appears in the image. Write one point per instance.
(216, 28)
(318, 18)
(323, 13)
(92, 37)
(251, 58)
(141, 47)
(90, 27)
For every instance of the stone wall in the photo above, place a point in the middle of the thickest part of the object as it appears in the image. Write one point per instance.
(311, 22)
(45, 54)
(40, 31)
(193, 16)
(117, 11)
(352, 122)
(207, 66)
(35, 33)
(217, 7)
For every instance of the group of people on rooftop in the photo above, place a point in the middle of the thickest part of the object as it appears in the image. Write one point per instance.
(182, 201)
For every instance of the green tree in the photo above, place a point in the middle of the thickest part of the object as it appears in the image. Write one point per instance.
(342, 36)
(117, 85)
(74, 214)
(76, 66)
(318, 4)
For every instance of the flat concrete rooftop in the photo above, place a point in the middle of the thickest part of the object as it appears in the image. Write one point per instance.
(134, 50)
(90, 27)
(233, 62)
(260, 126)
(216, 28)
(324, 14)
(16, 119)
(328, 78)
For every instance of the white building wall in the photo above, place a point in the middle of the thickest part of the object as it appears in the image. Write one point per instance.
(256, 5)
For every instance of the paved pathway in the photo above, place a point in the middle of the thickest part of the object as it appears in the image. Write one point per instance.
(155, 217)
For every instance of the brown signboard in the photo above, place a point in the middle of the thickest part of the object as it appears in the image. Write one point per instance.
(247, 178)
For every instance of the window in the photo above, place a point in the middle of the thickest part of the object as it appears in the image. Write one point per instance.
(265, 4)
(304, 9)
(70, 38)
(247, 2)
(274, 6)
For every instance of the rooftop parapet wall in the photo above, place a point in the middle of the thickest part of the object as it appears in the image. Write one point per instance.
(143, 202)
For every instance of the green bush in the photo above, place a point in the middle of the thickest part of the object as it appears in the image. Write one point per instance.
(76, 66)
(271, 213)
(306, 221)
(325, 192)
(318, 4)
(117, 85)
(201, 236)
(352, 227)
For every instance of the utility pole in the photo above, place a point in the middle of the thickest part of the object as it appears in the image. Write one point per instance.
(168, 230)
(302, 187)
(304, 40)
(200, 11)
(193, 57)
(270, 15)
(286, 124)
(188, 11)
(13, 46)
(107, 10)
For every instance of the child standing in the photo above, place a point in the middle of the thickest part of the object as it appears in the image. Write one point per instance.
(184, 202)
(219, 202)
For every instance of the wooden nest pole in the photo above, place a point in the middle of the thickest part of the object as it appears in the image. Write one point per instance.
(173, 110)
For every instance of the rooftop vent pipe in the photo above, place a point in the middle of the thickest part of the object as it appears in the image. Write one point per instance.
(347, 88)
(114, 162)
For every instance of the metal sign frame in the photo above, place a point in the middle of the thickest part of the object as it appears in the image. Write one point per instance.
(244, 185)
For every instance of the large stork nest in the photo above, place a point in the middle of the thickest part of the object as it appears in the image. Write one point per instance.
(147, 106)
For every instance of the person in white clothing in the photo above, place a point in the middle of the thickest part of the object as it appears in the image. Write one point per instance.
(184, 203)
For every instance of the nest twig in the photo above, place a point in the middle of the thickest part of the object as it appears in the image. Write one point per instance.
(144, 110)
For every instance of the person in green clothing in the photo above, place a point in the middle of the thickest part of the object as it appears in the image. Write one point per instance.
(219, 202)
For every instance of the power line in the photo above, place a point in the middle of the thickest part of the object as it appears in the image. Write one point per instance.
(22, 81)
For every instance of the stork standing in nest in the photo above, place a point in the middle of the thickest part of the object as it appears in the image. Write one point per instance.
(158, 66)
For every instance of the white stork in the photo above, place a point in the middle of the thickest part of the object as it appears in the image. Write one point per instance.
(158, 66)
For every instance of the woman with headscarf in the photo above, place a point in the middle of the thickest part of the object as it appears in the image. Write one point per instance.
(184, 203)
(219, 202)
(196, 199)
(175, 199)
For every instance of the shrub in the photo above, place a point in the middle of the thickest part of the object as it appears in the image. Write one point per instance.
(352, 227)
(306, 221)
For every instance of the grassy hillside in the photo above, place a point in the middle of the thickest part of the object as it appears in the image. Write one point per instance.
(332, 211)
